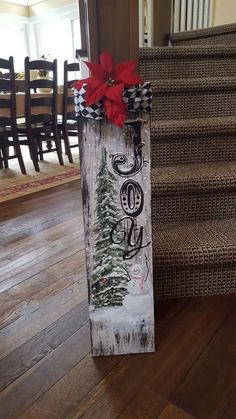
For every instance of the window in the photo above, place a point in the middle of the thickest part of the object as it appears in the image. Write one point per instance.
(14, 44)
(57, 39)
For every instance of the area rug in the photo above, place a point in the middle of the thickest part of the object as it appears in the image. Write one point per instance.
(13, 184)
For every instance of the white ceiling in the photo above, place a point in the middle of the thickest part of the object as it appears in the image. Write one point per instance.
(23, 2)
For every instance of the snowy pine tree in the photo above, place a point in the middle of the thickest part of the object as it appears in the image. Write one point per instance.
(109, 277)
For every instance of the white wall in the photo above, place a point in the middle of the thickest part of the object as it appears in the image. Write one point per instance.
(224, 11)
(48, 29)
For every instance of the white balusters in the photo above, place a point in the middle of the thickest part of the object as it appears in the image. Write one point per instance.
(191, 14)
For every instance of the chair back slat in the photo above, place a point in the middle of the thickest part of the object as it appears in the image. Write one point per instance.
(5, 103)
(41, 101)
(5, 85)
(41, 65)
(41, 118)
(41, 83)
(4, 63)
(73, 67)
(5, 120)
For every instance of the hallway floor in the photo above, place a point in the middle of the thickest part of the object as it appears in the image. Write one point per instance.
(46, 370)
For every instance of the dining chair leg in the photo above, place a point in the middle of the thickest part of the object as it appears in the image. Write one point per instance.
(5, 153)
(20, 159)
(34, 153)
(17, 152)
(57, 141)
(40, 148)
(1, 162)
(67, 145)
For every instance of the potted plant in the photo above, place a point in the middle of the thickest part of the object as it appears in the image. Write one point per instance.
(44, 74)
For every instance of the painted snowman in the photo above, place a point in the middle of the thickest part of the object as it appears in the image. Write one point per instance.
(138, 300)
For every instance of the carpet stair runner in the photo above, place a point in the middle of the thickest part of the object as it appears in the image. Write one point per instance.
(187, 61)
(193, 150)
(223, 34)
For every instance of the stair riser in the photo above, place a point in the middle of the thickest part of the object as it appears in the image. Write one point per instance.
(193, 150)
(195, 207)
(193, 282)
(176, 105)
(228, 38)
(187, 67)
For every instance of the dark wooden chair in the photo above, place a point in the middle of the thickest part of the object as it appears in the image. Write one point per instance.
(19, 83)
(68, 125)
(8, 126)
(41, 112)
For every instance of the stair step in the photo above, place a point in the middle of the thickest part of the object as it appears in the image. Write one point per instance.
(167, 152)
(206, 243)
(194, 98)
(194, 192)
(192, 127)
(187, 178)
(194, 84)
(187, 61)
(197, 258)
(223, 34)
(196, 281)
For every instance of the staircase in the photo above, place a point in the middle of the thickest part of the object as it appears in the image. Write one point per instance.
(193, 151)
(225, 34)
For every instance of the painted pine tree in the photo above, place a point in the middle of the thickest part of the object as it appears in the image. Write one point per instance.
(109, 278)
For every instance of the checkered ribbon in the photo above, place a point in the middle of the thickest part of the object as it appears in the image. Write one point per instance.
(95, 111)
(139, 98)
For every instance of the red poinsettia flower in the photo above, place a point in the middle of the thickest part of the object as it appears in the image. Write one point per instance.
(107, 82)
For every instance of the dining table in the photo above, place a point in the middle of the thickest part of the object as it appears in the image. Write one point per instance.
(20, 104)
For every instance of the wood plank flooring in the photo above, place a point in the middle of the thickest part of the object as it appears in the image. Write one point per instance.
(46, 370)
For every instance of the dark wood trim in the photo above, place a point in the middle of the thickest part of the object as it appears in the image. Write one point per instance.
(161, 22)
(113, 26)
(83, 25)
(134, 29)
(92, 30)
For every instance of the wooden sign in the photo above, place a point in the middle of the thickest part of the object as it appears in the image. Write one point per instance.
(115, 172)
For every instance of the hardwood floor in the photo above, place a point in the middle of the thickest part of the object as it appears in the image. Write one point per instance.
(46, 370)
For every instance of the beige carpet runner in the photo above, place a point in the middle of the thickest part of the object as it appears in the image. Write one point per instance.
(193, 143)
(13, 184)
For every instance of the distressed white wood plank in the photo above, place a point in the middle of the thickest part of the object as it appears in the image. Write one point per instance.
(119, 267)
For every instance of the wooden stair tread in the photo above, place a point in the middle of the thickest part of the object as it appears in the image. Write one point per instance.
(192, 127)
(193, 84)
(195, 244)
(203, 177)
(204, 32)
(187, 51)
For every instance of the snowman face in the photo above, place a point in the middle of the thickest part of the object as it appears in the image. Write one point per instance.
(137, 271)
(137, 282)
